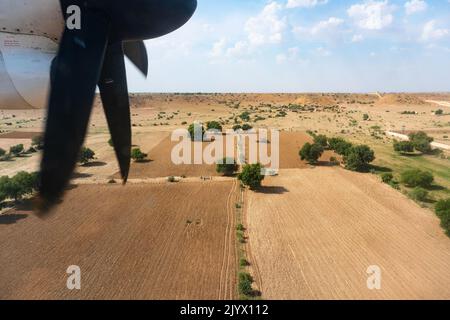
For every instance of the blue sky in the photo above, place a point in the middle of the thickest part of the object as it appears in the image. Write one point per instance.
(304, 46)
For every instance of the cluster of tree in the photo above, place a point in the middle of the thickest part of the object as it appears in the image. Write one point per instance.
(443, 212)
(227, 166)
(421, 142)
(417, 178)
(356, 157)
(137, 155)
(21, 184)
(245, 284)
(196, 131)
(251, 176)
(244, 127)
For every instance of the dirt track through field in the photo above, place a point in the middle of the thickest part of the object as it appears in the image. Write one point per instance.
(314, 233)
(167, 241)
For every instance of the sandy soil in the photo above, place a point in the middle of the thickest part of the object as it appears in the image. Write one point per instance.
(314, 233)
(167, 241)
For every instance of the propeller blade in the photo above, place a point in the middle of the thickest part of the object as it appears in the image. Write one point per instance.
(76, 72)
(137, 53)
(114, 94)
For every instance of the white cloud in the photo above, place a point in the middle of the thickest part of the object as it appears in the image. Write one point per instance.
(322, 52)
(372, 15)
(324, 30)
(415, 6)
(327, 25)
(305, 3)
(431, 33)
(267, 27)
(357, 38)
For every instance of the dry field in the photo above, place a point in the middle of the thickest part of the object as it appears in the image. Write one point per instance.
(314, 232)
(168, 241)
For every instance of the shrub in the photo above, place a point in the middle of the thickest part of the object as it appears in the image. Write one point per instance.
(246, 127)
(240, 227)
(16, 150)
(245, 283)
(443, 212)
(417, 178)
(321, 140)
(38, 142)
(237, 127)
(195, 135)
(365, 117)
(111, 143)
(171, 179)
(213, 125)
(419, 194)
(240, 236)
(359, 158)
(251, 175)
(137, 155)
(404, 146)
(421, 141)
(439, 112)
(341, 146)
(394, 184)
(387, 177)
(243, 262)
(2, 152)
(245, 116)
(311, 152)
(226, 166)
(86, 155)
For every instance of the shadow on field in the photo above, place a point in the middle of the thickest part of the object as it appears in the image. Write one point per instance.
(380, 169)
(95, 164)
(79, 175)
(11, 218)
(272, 190)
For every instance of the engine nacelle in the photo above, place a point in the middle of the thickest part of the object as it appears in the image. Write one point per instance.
(25, 62)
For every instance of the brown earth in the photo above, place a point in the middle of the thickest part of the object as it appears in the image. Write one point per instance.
(168, 241)
(314, 232)
(20, 135)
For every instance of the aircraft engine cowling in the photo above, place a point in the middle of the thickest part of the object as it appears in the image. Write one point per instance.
(24, 70)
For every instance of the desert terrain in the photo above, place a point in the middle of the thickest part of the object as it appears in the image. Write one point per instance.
(310, 233)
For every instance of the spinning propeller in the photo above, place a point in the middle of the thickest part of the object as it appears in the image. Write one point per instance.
(94, 55)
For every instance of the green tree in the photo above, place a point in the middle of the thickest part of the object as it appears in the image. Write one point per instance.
(419, 194)
(387, 177)
(421, 141)
(403, 146)
(86, 155)
(237, 127)
(417, 178)
(443, 212)
(137, 155)
(37, 142)
(340, 146)
(321, 140)
(245, 116)
(245, 283)
(195, 130)
(311, 152)
(16, 150)
(2, 152)
(251, 175)
(213, 125)
(227, 166)
(359, 158)
(366, 117)
(246, 127)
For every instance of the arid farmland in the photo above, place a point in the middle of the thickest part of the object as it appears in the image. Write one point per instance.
(315, 232)
(161, 241)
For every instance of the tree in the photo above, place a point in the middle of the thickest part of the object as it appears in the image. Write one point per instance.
(137, 155)
(16, 150)
(111, 143)
(245, 116)
(227, 166)
(213, 125)
(439, 112)
(366, 117)
(359, 158)
(251, 175)
(86, 155)
(443, 212)
(237, 127)
(38, 142)
(419, 194)
(421, 141)
(403, 146)
(195, 130)
(246, 127)
(245, 283)
(321, 140)
(311, 152)
(2, 152)
(21, 184)
(341, 146)
(417, 178)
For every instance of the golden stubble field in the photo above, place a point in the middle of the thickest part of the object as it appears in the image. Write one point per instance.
(147, 241)
(314, 233)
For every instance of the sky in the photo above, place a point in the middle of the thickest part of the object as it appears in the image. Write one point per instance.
(303, 46)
